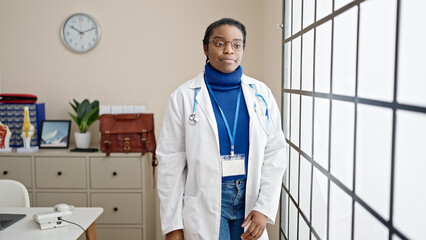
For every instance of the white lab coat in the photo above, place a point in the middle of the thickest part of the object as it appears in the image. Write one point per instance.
(189, 171)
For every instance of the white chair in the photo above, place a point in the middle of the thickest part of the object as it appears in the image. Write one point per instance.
(13, 194)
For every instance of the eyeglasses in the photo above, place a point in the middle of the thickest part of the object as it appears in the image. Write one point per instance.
(237, 45)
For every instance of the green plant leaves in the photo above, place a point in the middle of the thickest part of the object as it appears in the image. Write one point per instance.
(86, 113)
(75, 105)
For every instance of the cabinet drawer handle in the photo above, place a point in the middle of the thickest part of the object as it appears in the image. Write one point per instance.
(59, 173)
(114, 173)
(115, 209)
(5, 172)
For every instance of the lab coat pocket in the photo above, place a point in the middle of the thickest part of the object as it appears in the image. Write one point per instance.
(191, 217)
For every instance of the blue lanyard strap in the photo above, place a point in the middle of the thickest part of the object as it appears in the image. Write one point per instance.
(231, 137)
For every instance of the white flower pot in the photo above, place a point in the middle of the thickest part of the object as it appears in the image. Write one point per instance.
(82, 140)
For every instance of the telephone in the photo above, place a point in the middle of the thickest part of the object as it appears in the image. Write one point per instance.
(54, 219)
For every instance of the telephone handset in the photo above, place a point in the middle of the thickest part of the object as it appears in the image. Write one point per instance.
(62, 207)
(54, 219)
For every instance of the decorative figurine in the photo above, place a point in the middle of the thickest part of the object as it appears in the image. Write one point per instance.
(5, 135)
(27, 131)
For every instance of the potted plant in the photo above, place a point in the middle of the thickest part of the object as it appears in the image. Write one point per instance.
(86, 113)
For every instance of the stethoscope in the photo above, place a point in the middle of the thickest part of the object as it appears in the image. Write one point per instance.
(259, 113)
(193, 118)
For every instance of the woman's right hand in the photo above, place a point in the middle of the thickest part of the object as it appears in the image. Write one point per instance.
(175, 235)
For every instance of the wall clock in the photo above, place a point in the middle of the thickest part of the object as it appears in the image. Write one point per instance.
(80, 32)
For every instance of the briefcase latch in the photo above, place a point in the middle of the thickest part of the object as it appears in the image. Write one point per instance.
(126, 144)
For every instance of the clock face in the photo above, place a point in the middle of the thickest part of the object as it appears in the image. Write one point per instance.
(80, 33)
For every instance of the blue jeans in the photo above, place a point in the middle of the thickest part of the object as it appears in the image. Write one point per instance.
(232, 214)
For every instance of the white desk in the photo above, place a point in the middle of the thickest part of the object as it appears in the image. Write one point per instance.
(28, 229)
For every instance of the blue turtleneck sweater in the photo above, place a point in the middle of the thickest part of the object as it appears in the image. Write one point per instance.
(225, 87)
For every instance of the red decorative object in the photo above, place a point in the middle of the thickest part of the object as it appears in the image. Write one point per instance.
(17, 98)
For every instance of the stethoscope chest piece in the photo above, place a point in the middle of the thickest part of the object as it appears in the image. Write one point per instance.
(193, 119)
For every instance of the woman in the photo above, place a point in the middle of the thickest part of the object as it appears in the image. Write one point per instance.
(221, 150)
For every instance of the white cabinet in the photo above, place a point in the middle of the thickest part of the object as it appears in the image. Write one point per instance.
(49, 199)
(16, 168)
(119, 208)
(119, 233)
(60, 172)
(121, 184)
(113, 172)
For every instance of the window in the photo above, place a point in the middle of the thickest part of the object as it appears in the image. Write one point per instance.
(354, 116)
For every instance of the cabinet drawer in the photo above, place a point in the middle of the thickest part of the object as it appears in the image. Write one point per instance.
(45, 199)
(119, 208)
(119, 233)
(16, 168)
(60, 172)
(115, 172)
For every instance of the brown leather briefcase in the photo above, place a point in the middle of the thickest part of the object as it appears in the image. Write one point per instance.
(128, 133)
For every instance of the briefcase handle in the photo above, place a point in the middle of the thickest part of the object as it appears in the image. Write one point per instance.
(126, 116)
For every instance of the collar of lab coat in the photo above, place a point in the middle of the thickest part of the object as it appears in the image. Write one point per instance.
(204, 102)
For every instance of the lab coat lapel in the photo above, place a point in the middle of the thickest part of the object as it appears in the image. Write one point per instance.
(248, 96)
(204, 102)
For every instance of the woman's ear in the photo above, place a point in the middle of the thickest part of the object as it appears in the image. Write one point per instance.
(205, 50)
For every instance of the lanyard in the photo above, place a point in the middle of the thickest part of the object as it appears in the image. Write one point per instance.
(231, 137)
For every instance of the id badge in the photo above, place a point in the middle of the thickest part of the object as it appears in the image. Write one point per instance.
(233, 165)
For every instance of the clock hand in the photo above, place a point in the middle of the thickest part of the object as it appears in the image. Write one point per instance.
(80, 32)
(88, 30)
